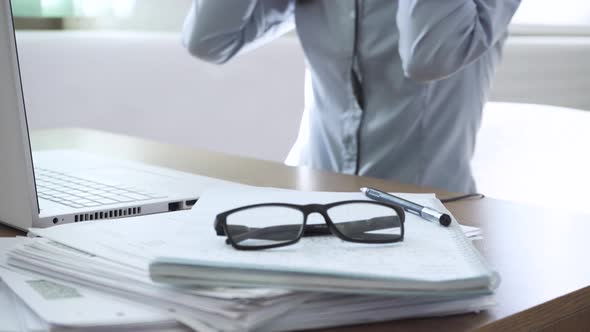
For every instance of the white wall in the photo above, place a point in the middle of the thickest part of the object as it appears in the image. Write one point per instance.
(146, 84)
(553, 70)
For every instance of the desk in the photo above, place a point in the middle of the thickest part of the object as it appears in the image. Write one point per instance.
(542, 255)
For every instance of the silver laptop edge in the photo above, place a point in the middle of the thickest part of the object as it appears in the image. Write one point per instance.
(18, 196)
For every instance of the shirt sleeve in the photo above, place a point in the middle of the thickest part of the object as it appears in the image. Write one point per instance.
(217, 30)
(438, 38)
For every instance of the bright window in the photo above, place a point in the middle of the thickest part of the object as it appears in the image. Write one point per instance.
(72, 8)
(553, 13)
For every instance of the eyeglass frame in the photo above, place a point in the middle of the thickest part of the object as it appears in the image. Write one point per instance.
(220, 223)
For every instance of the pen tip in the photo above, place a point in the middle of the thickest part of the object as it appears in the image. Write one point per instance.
(445, 220)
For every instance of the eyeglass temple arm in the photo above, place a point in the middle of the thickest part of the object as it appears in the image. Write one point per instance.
(285, 232)
(369, 225)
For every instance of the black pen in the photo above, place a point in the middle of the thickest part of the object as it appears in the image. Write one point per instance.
(417, 209)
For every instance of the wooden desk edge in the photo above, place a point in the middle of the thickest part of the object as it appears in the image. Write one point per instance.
(564, 313)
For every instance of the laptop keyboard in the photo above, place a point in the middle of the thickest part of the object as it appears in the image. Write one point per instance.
(78, 192)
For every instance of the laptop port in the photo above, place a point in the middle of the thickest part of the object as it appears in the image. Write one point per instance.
(174, 206)
(190, 202)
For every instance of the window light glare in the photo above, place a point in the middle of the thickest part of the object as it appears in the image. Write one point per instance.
(123, 8)
(93, 7)
(55, 8)
(551, 12)
(87, 8)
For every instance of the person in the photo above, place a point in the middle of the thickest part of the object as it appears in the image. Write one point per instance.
(394, 89)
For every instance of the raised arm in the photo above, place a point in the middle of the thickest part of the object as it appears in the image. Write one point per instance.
(439, 37)
(216, 30)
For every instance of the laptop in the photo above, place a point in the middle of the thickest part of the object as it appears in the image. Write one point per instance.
(54, 187)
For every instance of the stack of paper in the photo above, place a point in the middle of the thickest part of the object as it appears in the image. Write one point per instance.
(122, 285)
(106, 264)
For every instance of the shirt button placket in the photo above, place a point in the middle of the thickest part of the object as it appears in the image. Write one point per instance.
(349, 139)
(351, 115)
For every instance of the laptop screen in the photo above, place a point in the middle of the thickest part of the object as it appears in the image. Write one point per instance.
(19, 206)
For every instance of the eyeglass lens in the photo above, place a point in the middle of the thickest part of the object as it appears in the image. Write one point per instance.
(264, 225)
(366, 222)
(275, 225)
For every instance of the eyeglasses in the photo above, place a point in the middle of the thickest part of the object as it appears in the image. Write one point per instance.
(271, 225)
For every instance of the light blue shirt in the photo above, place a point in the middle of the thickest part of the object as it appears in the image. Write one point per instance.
(394, 89)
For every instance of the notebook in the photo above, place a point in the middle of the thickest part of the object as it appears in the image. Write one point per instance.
(432, 259)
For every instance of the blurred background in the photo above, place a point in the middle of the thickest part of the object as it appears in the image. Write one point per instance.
(118, 65)
(142, 15)
(541, 16)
